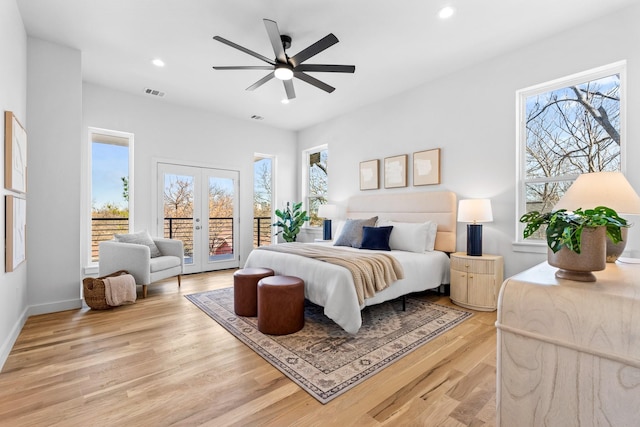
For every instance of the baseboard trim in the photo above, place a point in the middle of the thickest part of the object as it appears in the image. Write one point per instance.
(54, 307)
(7, 345)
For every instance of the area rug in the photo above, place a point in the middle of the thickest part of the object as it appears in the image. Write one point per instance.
(322, 358)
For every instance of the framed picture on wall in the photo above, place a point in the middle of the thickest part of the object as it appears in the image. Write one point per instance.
(15, 154)
(426, 167)
(16, 229)
(395, 171)
(369, 179)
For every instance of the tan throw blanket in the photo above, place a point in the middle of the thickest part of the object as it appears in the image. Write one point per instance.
(120, 290)
(372, 272)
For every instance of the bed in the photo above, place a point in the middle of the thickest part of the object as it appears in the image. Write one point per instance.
(332, 286)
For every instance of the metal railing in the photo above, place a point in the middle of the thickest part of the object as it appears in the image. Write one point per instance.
(220, 233)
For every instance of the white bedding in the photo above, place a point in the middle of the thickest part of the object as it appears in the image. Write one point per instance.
(331, 286)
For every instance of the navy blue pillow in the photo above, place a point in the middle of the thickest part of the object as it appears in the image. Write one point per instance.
(376, 238)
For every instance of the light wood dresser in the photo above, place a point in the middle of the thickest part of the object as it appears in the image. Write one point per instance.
(568, 353)
(476, 280)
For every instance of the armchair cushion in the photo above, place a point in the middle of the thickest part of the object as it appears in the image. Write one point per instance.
(140, 238)
(164, 263)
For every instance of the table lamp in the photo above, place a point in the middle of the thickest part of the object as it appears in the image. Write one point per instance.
(609, 189)
(474, 211)
(327, 212)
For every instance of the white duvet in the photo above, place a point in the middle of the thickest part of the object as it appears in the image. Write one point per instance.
(331, 286)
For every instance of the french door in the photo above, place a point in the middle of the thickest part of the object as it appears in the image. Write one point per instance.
(200, 207)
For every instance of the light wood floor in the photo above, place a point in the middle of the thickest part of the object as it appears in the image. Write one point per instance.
(164, 362)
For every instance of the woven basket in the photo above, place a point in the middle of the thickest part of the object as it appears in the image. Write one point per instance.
(93, 290)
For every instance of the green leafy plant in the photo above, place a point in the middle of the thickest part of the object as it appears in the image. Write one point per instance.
(564, 228)
(290, 221)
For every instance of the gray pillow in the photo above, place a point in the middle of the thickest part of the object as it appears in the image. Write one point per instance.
(139, 238)
(351, 234)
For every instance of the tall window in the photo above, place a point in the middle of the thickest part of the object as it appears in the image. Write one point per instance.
(111, 194)
(262, 199)
(568, 127)
(317, 182)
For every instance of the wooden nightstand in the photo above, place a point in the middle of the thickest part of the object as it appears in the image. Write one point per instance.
(476, 280)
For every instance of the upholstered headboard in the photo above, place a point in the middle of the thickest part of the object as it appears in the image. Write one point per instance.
(437, 206)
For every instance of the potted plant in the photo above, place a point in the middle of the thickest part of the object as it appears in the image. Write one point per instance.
(290, 221)
(577, 239)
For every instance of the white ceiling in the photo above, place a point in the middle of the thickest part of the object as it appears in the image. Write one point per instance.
(395, 45)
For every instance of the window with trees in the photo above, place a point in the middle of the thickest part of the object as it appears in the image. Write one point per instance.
(317, 182)
(568, 127)
(111, 197)
(262, 199)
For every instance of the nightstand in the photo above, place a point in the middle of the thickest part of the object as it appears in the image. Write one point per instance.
(476, 280)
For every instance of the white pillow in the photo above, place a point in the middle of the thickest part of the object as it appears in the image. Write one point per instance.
(408, 236)
(431, 236)
(412, 236)
(140, 238)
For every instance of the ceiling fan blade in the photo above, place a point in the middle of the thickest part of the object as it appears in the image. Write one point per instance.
(242, 67)
(288, 86)
(276, 41)
(245, 50)
(260, 82)
(313, 81)
(314, 49)
(327, 68)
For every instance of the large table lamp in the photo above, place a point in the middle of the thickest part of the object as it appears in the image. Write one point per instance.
(474, 211)
(327, 212)
(609, 189)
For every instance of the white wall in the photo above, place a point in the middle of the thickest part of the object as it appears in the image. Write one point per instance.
(470, 115)
(13, 97)
(165, 131)
(54, 109)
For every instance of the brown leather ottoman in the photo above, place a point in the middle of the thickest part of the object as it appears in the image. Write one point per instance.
(280, 305)
(245, 290)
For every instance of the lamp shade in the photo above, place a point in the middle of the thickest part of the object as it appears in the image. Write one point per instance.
(475, 210)
(610, 189)
(327, 211)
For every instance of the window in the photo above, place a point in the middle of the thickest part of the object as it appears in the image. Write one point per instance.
(568, 127)
(317, 182)
(111, 195)
(262, 199)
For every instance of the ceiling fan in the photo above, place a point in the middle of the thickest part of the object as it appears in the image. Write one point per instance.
(285, 68)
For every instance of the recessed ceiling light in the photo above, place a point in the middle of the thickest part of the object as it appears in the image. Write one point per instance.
(158, 62)
(446, 12)
(285, 101)
(257, 117)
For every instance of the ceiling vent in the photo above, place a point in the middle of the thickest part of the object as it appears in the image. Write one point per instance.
(154, 92)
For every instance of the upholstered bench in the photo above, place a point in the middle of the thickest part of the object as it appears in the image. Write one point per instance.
(245, 290)
(280, 305)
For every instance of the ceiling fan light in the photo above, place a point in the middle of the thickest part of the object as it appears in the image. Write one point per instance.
(283, 72)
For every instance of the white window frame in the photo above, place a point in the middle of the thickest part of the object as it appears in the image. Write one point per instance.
(620, 67)
(305, 178)
(91, 267)
(274, 238)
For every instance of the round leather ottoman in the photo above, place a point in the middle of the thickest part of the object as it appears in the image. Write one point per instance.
(280, 305)
(245, 290)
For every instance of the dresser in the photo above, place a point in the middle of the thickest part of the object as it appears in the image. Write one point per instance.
(568, 353)
(476, 280)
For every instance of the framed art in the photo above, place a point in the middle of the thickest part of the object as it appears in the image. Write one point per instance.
(369, 175)
(426, 167)
(16, 229)
(395, 171)
(15, 154)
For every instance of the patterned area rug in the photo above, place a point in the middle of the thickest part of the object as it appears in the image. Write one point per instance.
(322, 358)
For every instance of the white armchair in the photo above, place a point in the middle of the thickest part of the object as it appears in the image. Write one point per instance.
(136, 259)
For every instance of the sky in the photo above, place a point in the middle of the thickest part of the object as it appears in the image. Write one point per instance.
(109, 163)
